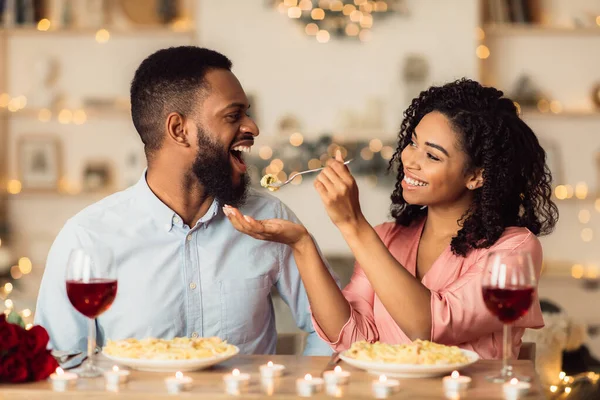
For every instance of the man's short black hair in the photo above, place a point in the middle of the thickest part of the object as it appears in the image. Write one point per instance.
(169, 81)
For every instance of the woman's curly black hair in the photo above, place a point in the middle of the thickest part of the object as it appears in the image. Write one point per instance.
(516, 187)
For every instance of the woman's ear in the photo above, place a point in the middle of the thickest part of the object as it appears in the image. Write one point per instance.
(176, 129)
(475, 181)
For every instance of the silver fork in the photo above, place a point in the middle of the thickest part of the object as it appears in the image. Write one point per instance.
(278, 185)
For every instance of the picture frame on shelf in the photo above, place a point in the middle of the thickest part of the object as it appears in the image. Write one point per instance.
(97, 176)
(39, 162)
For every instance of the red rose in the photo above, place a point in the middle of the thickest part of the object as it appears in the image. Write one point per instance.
(11, 335)
(13, 368)
(34, 341)
(42, 365)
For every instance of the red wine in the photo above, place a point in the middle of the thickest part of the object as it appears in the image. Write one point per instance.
(508, 304)
(92, 298)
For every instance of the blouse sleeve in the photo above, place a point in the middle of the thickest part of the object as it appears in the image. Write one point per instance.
(361, 297)
(459, 314)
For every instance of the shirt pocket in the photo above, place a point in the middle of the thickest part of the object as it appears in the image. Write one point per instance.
(247, 308)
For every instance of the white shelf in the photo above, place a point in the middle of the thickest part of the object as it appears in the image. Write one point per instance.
(534, 113)
(538, 30)
(131, 31)
(91, 113)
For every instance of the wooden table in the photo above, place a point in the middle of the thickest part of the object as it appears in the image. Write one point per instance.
(209, 384)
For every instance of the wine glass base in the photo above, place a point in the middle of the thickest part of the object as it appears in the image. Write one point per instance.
(503, 378)
(88, 371)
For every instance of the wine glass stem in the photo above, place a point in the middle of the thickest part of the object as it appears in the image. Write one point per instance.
(91, 345)
(506, 351)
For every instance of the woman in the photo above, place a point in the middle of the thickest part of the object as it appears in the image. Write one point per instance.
(472, 178)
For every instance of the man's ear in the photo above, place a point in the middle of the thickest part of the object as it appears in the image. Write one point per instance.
(176, 129)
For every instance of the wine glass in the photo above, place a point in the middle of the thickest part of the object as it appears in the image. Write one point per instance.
(508, 286)
(91, 279)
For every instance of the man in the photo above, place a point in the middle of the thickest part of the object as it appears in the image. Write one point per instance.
(183, 270)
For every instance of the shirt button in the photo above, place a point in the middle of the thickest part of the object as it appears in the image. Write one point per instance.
(192, 286)
(189, 237)
(195, 335)
(176, 219)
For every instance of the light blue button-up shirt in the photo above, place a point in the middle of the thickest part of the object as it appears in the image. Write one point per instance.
(174, 281)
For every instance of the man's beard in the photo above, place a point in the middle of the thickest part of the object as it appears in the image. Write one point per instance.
(212, 167)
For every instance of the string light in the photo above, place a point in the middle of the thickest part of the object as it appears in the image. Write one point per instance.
(65, 116)
(556, 107)
(265, 152)
(14, 186)
(294, 12)
(25, 265)
(482, 52)
(15, 272)
(43, 25)
(587, 234)
(584, 216)
(577, 271)
(297, 180)
(543, 106)
(314, 164)
(365, 35)
(336, 17)
(102, 36)
(311, 29)
(296, 139)
(323, 36)
(581, 190)
(375, 145)
(318, 14)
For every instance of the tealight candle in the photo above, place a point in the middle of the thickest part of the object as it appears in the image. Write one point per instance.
(115, 376)
(236, 381)
(515, 389)
(308, 386)
(336, 377)
(61, 380)
(270, 370)
(383, 387)
(456, 382)
(178, 383)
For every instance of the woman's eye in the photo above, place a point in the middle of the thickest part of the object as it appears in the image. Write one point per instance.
(431, 156)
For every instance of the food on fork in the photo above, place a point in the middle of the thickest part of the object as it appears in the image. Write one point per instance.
(179, 348)
(418, 352)
(267, 180)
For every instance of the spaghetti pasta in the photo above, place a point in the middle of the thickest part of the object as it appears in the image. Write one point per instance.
(180, 348)
(418, 352)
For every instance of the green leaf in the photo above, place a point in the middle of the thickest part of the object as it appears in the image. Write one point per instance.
(15, 318)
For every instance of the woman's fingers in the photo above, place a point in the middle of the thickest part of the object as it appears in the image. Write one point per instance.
(244, 224)
(325, 181)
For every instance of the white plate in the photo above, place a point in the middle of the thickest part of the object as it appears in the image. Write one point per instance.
(171, 365)
(409, 370)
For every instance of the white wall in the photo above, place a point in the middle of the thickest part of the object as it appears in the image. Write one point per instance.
(293, 73)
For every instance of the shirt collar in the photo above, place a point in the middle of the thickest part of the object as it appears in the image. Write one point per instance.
(160, 211)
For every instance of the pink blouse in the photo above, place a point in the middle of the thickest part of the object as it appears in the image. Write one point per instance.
(459, 315)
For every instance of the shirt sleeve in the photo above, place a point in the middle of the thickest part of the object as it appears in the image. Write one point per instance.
(292, 291)
(459, 314)
(360, 295)
(66, 327)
